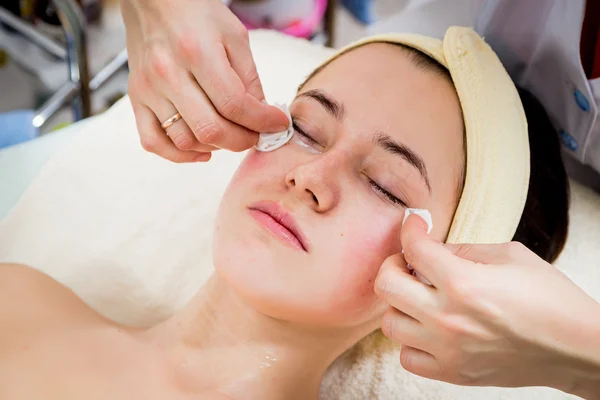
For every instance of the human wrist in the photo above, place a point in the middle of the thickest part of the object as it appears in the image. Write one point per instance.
(581, 369)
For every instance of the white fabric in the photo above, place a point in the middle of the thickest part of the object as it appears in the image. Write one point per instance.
(21, 163)
(131, 233)
(272, 141)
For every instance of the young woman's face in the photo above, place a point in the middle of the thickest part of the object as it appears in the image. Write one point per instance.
(374, 134)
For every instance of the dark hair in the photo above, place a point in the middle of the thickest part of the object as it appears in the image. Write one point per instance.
(544, 223)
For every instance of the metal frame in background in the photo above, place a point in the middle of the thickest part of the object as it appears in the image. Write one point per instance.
(77, 90)
(329, 25)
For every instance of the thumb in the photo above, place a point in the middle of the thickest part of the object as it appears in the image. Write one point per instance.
(427, 256)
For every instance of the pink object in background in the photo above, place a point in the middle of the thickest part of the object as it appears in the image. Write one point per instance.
(304, 26)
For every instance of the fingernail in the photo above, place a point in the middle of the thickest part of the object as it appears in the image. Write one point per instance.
(421, 278)
(424, 214)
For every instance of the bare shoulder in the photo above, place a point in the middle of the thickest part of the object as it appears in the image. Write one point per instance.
(31, 301)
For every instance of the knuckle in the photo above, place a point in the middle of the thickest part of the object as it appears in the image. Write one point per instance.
(184, 142)
(140, 84)
(161, 64)
(455, 329)
(406, 360)
(466, 377)
(449, 326)
(148, 143)
(240, 31)
(514, 250)
(244, 33)
(388, 325)
(207, 131)
(188, 47)
(412, 254)
(134, 84)
(231, 106)
(460, 286)
(145, 82)
(463, 250)
(383, 282)
(252, 78)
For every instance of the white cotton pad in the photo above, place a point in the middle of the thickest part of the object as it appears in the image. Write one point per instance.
(425, 214)
(273, 141)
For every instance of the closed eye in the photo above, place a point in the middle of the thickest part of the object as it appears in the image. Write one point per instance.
(386, 194)
(376, 187)
(304, 135)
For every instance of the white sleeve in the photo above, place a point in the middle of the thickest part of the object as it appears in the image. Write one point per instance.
(538, 43)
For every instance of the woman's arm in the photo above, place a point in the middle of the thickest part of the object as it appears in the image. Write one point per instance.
(32, 302)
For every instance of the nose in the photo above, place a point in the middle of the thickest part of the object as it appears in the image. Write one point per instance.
(314, 184)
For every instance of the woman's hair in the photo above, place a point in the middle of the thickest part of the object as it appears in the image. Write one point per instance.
(544, 223)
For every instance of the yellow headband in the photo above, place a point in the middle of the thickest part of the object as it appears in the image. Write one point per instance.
(497, 142)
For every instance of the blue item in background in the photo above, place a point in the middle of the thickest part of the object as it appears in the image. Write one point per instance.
(361, 10)
(17, 127)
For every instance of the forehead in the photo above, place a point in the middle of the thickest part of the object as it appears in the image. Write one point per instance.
(386, 77)
(382, 89)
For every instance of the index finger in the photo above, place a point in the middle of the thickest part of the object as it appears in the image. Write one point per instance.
(230, 97)
(427, 256)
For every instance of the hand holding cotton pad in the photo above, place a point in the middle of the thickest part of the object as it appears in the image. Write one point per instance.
(426, 216)
(273, 141)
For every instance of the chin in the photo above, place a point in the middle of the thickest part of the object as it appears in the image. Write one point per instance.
(283, 283)
(293, 298)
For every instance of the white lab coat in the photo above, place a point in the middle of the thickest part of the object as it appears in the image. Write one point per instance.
(538, 43)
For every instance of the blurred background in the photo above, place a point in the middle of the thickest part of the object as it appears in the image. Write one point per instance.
(64, 60)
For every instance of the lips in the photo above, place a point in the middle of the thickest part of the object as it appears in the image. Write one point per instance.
(280, 223)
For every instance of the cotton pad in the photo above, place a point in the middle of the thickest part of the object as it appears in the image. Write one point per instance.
(273, 141)
(425, 214)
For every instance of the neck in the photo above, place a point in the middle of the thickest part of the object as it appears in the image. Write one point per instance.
(219, 343)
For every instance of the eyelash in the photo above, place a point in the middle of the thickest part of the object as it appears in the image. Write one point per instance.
(373, 184)
(387, 194)
(302, 133)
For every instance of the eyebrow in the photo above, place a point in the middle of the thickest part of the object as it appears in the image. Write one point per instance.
(380, 139)
(385, 142)
(333, 107)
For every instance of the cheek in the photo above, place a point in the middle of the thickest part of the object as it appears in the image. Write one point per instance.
(255, 160)
(362, 254)
(252, 164)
